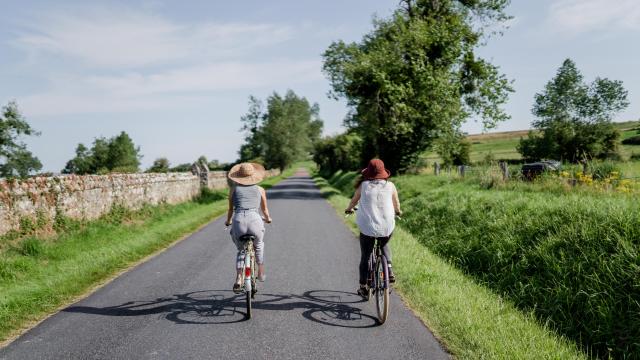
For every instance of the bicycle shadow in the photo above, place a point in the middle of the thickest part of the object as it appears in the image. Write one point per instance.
(327, 307)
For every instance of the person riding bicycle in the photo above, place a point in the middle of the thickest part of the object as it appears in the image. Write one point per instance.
(246, 200)
(379, 204)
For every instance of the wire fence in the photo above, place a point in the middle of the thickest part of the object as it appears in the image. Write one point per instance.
(610, 180)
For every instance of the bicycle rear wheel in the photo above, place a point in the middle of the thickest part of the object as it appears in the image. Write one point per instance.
(382, 289)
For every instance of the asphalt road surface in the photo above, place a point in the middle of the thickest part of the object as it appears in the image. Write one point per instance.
(179, 305)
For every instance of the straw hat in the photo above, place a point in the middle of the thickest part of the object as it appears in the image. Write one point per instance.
(246, 173)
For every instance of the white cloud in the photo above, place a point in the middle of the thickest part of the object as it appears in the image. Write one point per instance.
(175, 88)
(117, 61)
(579, 16)
(130, 39)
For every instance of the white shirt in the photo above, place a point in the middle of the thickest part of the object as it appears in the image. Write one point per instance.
(376, 215)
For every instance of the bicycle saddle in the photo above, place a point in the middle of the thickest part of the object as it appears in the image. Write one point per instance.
(247, 237)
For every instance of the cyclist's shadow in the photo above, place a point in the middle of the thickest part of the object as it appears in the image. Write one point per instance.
(333, 308)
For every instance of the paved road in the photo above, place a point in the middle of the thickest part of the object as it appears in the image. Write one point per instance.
(178, 305)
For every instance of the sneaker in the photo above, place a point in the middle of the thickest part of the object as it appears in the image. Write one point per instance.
(363, 291)
(392, 276)
(262, 277)
(237, 288)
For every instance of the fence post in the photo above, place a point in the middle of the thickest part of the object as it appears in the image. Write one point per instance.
(436, 168)
(461, 170)
(505, 170)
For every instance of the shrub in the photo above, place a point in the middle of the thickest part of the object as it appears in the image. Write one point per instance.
(604, 169)
(634, 140)
(342, 152)
(635, 156)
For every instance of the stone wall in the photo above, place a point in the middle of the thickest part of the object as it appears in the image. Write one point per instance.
(90, 196)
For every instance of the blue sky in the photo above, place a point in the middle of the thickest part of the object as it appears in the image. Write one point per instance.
(177, 75)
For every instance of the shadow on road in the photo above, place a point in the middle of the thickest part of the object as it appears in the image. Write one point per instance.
(300, 189)
(333, 308)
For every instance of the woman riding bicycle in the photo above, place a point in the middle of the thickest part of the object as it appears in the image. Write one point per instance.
(379, 204)
(246, 200)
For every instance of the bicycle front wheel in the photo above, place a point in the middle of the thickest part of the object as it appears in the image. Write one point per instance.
(382, 289)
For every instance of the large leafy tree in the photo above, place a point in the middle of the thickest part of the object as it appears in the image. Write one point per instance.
(116, 154)
(284, 132)
(416, 76)
(574, 118)
(15, 159)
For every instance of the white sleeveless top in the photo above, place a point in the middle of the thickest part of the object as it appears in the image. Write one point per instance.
(376, 216)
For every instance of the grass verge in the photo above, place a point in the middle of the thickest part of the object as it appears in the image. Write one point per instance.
(39, 274)
(471, 321)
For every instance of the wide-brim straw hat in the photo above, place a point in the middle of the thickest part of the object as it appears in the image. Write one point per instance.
(247, 173)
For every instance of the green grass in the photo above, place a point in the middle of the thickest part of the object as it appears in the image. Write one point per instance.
(472, 321)
(38, 274)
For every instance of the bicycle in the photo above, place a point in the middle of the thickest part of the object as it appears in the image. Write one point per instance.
(249, 284)
(378, 280)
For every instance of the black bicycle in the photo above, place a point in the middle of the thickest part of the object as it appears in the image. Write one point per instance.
(378, 281)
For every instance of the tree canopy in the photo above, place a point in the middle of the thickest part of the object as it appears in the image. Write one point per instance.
(574, 119)
(15, 159)
(283, 132)
(116, 154)
(416, 77)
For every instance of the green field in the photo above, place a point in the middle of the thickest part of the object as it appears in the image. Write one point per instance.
(502, 146)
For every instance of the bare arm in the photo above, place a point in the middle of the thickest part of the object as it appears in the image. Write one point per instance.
(230, 210)
(396, 201)
(263, 206)
(354, 201)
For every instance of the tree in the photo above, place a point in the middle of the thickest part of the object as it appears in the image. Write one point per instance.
(117, 154)
(15, 159)
(453, 150)
(416, 76)
(81, 164)
(574, 118)
(285, 132)
(252, 148)
(123, 155)
(160, 165)
(340, 152)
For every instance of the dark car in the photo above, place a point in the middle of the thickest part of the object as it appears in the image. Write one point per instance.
(532, 170)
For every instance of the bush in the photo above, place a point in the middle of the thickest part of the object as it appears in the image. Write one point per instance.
(635, 156)
(604, 169)
(634, 140)
(341, 152)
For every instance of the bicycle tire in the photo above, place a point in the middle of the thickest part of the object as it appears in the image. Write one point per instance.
(382, 289)
(248, 304)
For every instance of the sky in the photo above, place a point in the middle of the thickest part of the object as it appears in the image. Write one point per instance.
(176, 76)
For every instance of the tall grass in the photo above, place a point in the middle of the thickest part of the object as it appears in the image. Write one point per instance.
(572, 259)
(472, 321)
